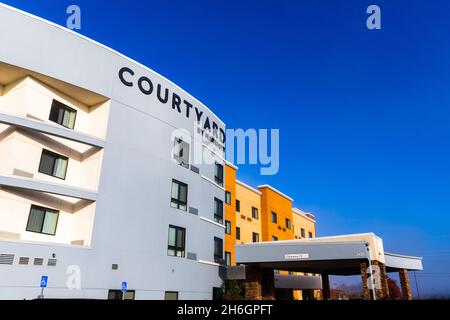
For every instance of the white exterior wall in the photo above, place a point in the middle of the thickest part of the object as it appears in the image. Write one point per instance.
(30, 98)
(128, 223)
(23, 152)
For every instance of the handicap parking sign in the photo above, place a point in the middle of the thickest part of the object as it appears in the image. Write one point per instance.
(44, 281)
(124, 287)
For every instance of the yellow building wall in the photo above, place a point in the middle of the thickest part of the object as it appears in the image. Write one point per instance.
(248, 198)
(302, 221)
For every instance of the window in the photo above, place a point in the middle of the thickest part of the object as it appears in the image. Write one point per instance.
(218, 210)
(274, 217)
(288, 223)
(176, 244)
(310, 234)
(227, 227)
(171, 295)
(238, 206)
(53, 164)
(181, 152)
(274, 238)
(238, 233)
(42, 220)
(218, 250)
(227, 258)
(227, 197)
(254, 213)
(129, 295)
(302, 232)
(114, 295)
(179, 195)
(118, 295)
(62, 114)
(218, 174)
(255, 237)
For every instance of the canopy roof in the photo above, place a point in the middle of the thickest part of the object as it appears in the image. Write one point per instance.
(340, 255)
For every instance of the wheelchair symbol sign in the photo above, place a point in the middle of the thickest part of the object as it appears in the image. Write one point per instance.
(44, 281)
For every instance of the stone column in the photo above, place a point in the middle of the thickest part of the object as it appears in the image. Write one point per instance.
(325, 287)
(405, 284)
(384, 280)
(363, 265)
(268, 284)
(381, 284)
(253, 279)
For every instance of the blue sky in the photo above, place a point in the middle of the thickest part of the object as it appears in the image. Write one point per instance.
(363, 115)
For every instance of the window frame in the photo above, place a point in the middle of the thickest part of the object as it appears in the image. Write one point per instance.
(253, 237)
(255, 216)
(218, 259)
(171, 292)
(115, 294)
(56, 156)
(310, 235)
(177, 158)
(227, 258)
(272, 215)
(218, 217)
(45, 209)
(175, 248)
(302, 233)
(227, 197)
(288, 223)
(238, 233)
(274, 238)
(228, 227)
(59, 104)
(174, 202)
(238, 205)
(130, 292)
(217, 179)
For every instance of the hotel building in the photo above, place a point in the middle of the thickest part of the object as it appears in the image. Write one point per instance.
(96, 185)
(99, 187)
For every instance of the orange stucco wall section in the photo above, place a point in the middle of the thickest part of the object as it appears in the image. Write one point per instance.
(272, 201)
(230, 210)
(266, 200)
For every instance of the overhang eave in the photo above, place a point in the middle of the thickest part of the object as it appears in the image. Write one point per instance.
(396, 262)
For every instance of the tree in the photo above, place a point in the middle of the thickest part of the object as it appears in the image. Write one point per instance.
(394, 290)
(233, 290)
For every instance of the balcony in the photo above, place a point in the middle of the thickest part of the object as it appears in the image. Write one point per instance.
(51, 148)
(72, 224)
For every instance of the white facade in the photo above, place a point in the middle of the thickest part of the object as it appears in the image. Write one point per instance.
(114, 202)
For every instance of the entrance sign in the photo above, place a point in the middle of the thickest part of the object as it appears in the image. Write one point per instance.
(296, 256)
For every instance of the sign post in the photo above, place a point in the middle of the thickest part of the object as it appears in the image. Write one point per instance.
(124, 289)
(44, 282)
